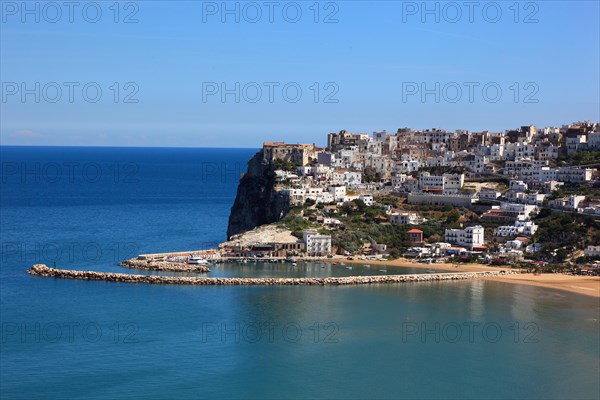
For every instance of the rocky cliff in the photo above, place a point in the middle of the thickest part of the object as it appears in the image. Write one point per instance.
(256, 202)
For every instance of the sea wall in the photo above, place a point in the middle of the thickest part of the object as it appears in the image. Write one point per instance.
(43, 270)
(153, 265)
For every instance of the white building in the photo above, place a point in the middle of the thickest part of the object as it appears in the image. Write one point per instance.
(569, 202)
(533, 248)
(441, 183)
(338, 192)
(295, 196)
(517, 186)
(306, 171)
(316, 244)
(592, 251)
(594, 141)
(407, 165)
(468, 237)
(544, 174)
(488, 194)
(325, 198)
(398, 180)
(519, 211)
(367, 199)
(527, 228)
(406, 218)
(574, 174)
(348, 178)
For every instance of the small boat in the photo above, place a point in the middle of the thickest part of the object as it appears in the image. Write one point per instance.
(197, 260)
(348, 267)
(342, 264)
(294, 264)
(383, 270)
(367, 266)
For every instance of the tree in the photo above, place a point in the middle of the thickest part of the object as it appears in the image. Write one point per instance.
(453, 216)
(561, 254)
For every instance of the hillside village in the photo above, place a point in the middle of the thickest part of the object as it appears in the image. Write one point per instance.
(525, 194)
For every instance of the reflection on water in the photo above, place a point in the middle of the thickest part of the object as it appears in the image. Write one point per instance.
(257, 269)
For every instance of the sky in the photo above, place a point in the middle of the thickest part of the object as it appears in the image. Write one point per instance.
(236, 74)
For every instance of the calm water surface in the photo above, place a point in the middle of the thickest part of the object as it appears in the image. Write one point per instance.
(98, 340)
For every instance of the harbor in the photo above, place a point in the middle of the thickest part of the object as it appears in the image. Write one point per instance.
(43, 270)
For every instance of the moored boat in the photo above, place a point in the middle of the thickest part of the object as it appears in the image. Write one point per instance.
(197, 260)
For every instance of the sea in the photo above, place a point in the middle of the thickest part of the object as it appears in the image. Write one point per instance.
(91, 207)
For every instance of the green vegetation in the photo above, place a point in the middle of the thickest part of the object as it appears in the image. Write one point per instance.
(358, 211)
(285, 165)
(295, 222)
(351, 237)
(587, 259)
(561, 233)
(388, 200)
(582, 189)
(580, 158)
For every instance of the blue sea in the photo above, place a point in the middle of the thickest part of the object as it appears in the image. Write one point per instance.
(89, 208)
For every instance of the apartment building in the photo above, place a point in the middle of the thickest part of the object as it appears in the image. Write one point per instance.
(316, 244)
(469, 237)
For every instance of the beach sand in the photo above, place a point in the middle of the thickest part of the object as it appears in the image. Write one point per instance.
(586, 285)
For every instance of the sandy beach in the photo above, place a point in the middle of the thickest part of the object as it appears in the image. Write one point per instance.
(586, 285)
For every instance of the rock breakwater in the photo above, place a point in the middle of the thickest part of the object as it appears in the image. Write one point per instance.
(154, 265)
(45, 271)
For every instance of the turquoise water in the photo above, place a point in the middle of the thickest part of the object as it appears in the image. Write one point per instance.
(98, 340)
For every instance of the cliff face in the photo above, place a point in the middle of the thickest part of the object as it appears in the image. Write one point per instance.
(256, 202)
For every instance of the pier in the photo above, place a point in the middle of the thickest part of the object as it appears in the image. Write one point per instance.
(44, 271)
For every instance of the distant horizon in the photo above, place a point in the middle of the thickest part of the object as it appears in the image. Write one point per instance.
(288, 138)
(127, 147)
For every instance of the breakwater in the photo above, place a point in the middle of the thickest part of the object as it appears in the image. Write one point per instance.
(154, 265)
(45, 271)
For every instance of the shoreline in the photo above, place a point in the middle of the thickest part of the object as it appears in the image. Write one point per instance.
(584, 285)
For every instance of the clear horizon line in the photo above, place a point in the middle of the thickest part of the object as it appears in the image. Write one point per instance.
(134, 147)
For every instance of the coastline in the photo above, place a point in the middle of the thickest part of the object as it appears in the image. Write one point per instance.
(585, 285)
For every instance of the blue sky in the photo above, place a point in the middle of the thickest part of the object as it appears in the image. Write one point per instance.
(360, 66)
